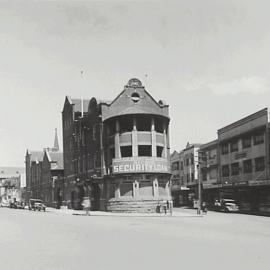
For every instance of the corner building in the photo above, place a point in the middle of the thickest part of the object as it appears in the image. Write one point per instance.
(132, 173)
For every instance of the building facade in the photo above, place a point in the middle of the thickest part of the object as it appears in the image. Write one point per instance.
(244, 161)
(187, 171)
(10, 184)
(209, 170)
(117, 153)
(43, 169)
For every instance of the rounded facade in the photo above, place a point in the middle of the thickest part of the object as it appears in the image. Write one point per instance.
(136, 146)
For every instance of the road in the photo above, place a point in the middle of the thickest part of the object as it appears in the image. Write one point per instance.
(53, 240)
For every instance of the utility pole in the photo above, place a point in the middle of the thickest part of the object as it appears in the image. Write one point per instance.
(199, 190)
(201, 158)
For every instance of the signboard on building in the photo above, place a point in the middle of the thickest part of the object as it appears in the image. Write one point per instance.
(259, 182)
(140, 165)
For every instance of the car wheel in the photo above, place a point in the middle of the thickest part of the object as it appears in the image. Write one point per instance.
(226, 210)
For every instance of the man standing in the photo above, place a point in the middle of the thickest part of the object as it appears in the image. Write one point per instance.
(86, 205)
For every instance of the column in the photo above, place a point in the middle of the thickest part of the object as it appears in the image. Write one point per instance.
(154, 138)
(117, 140)
(134, 138)
(165, 151)
(155, 188)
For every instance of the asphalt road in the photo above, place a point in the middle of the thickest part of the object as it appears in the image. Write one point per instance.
(52, 240)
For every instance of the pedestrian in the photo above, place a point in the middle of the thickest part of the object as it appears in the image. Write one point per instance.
(204, 208)
(86, 205)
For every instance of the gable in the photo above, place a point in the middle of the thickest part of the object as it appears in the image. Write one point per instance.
(134, 99)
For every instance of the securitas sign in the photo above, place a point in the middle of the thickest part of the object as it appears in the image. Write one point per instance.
(140, 165)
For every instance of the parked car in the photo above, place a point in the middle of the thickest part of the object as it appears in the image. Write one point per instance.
(226, 205)
(36, 204)
(4, 203)
(19, 205)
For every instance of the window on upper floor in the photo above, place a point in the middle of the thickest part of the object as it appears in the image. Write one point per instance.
(126, 124)
(246, 142)
(187, 161)
(259, 164)
(192, 177)
(247, 166)
(126, 151)
(143, 123)
(159, 125)
(224, 148)
(204, 175)
(144, 150)
(181, 165)
(192, 160)
(234, 146)
(160, 150)
(258, 138)
(235, 168)
(225, 170)
(111, 127)
(94, 129)
(175, 166)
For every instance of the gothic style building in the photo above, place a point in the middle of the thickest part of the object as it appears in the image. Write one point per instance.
(43, 169)
(117, 152)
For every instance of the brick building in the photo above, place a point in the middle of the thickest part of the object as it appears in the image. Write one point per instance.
(43, 169)
(117, 153)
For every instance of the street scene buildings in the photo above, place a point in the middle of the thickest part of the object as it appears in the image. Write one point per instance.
(43, 169)
(235, 166)
(117, 152)
(10, 184)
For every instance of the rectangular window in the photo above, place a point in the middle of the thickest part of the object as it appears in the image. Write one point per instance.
(213, 173)
(182, 165)
(224, 149)
(258, 138)
(235, 168)
(259, 164)
(225, 170)
(126, 151)
(192, 160)
(187, 161)
(204, 175)
(160, 151)
(188, 178)
(146, 188)
(247, 164)
(175, 166)
(246, 142)
(234, 146)
(94, 132)
(144, 151)
(126, 189)
(192, 177)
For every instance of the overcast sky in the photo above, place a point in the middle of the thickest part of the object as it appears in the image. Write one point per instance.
(209, 60)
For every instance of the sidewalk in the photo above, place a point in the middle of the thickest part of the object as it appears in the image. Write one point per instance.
(113, 214)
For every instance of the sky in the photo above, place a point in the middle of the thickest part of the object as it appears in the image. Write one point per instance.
(209, 60)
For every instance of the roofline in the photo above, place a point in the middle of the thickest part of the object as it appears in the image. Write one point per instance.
(263, 112)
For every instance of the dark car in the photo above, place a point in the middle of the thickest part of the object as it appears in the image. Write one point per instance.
(36, 205)
(226, 205)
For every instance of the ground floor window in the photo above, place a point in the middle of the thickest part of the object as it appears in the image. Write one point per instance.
(126, 189)
(146, 188)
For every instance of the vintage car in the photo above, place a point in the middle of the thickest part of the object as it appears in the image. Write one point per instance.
(226, 205)
(36, 205)
(4, 203)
